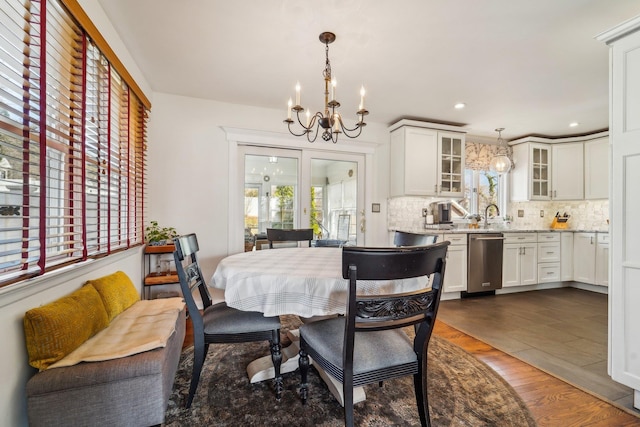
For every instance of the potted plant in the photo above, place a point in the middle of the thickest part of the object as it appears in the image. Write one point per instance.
(158, 236)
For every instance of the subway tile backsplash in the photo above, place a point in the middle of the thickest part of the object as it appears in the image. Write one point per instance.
(405, 213)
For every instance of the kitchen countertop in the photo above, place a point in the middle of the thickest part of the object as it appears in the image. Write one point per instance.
(496, 230)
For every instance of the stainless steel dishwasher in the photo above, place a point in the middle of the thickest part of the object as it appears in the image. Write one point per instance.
(484, 262)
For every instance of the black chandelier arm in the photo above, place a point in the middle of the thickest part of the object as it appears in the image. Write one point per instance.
(359, 126)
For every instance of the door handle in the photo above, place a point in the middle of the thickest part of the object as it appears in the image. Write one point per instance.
(362, 222)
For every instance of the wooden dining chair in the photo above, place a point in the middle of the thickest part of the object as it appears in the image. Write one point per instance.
(368, 345)
(289, 235)
(218, 323)
(403, 238)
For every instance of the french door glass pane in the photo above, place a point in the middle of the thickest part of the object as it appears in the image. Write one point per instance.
(334, 199)
(270, 196)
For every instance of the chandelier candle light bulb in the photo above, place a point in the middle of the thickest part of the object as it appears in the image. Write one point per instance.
(328, 119)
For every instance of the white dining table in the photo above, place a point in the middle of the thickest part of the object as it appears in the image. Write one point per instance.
(306, 282)
(303, 281)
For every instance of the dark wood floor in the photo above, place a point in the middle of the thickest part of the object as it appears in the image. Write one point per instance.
(562, 331)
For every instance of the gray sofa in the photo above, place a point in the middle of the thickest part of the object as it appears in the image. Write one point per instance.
(130, 391)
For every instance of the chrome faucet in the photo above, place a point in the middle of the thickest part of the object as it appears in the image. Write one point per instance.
(486, 217)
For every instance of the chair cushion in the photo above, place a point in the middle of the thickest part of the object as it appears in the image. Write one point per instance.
(222, 319)
(372, 350)
(117, 292)
(56, 329)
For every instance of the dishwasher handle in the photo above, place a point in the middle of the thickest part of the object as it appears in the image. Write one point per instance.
(487, 238)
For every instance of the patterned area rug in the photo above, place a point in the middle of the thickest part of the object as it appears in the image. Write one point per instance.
(462, 392)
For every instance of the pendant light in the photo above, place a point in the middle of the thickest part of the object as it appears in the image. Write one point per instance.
(501, 162)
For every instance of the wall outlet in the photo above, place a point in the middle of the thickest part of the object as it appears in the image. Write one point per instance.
(520, 213)
(425, 212)
(541, 213)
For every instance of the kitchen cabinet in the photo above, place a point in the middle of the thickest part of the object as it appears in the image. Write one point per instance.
(566, 256)
(520, 259)
(584, 255)
(596, 169)
(567, 171)
(426, 161)
(602, 259)
(455, 278)
(531, 178)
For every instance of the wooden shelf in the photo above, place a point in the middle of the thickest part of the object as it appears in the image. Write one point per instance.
(161, 278)
(164, 249)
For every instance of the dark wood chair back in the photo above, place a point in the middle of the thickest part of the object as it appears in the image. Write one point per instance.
(289, 235)
(383, 353)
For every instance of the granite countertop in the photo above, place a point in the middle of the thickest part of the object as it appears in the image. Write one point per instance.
(497, 230)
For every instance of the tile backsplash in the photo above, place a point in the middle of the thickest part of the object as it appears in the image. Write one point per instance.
(405, 213)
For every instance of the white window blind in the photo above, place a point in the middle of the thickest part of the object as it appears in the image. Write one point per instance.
(72, 144)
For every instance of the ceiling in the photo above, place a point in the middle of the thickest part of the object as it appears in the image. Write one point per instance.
(531, 67)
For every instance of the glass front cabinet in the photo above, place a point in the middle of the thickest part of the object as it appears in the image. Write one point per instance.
(426, 161)
(531, 176)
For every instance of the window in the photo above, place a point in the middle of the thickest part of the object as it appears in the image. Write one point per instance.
(73, 137)
(482, 188)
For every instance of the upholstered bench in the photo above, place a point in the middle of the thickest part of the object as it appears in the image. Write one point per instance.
(104, 356)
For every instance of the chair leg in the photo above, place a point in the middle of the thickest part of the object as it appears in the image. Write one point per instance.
(303, 364)
(347, 391)
(422, 399)
(199, 353)
(276, 358)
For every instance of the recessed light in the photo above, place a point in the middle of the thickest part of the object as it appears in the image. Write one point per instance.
(459, 105)
(573, 124)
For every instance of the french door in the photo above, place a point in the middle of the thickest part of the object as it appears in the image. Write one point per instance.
(288, 188)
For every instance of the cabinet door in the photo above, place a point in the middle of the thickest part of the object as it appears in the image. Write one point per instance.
(529, 264)
(455, 278)
(413, 168)
(540, 162)
(451, 164)
(511, 265)
(584, 255)
(566, 256)
(596, 169)
(568, 171)
(602, 264)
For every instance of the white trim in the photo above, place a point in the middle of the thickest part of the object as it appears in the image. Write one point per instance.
(543, 140)
(428, 125)
(611, 35)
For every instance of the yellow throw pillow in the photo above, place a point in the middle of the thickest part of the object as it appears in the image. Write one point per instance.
(56, 329)
(117, 291)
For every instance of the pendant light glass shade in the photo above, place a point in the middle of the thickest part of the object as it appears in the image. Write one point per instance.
(501, 162)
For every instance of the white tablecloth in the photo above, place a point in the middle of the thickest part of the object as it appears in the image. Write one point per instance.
(303, 281)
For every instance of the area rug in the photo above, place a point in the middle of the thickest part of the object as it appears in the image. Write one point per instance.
(462, 392)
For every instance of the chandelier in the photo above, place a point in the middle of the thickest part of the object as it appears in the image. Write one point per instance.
(329, 120)
(501, 162)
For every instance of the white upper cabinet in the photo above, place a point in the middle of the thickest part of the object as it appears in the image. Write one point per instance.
(596, 169)
(413, 157)
(531, 178)
(567, 171)
(573, 168)
(426, 161)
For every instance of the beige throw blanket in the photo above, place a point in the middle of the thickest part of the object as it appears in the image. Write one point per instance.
(145, 325)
